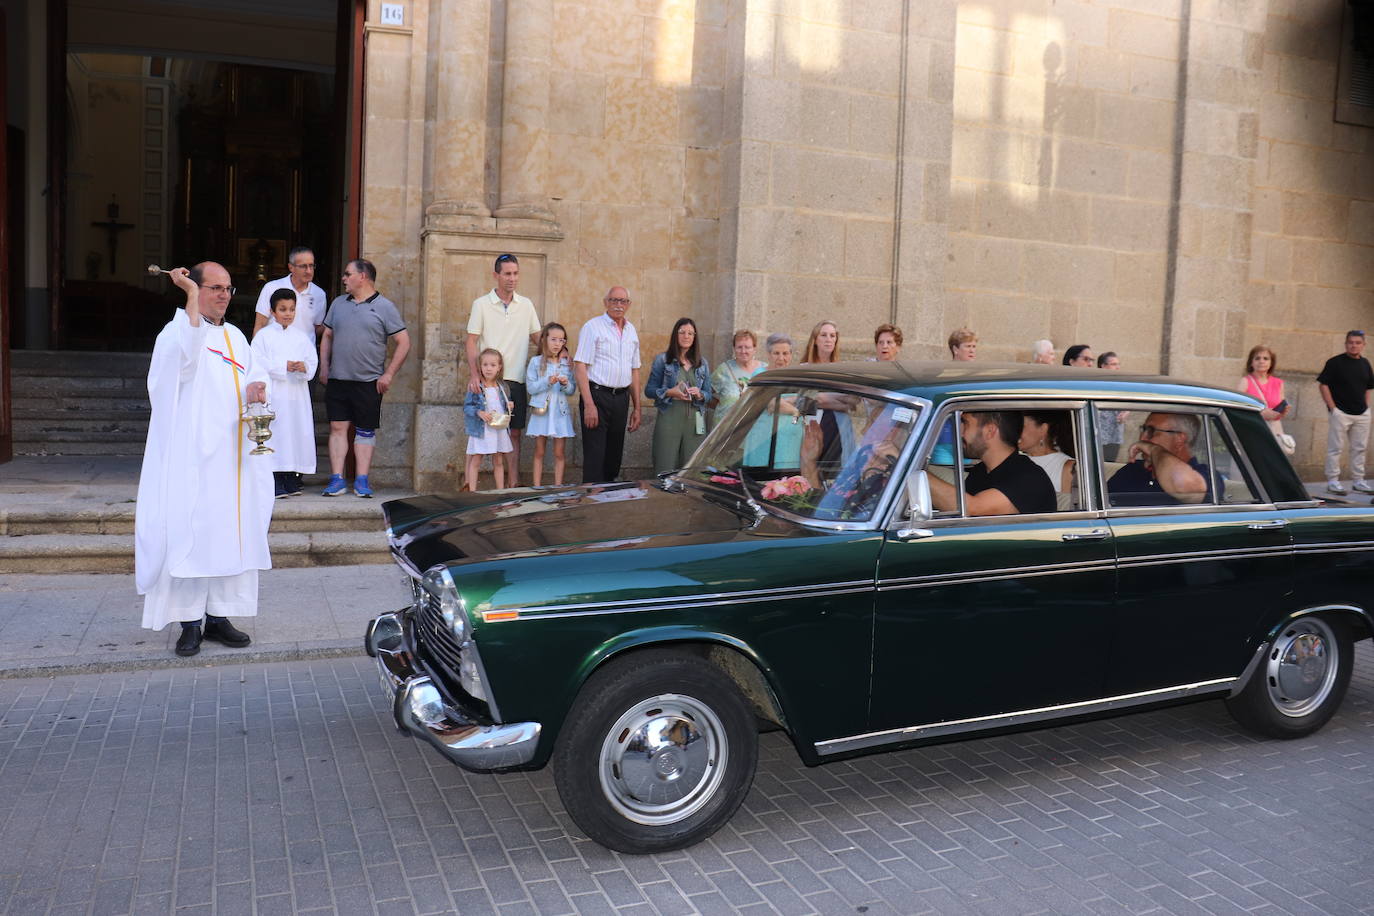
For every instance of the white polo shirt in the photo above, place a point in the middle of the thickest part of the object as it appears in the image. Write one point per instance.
(506, 328)
(610, 352)
(310, 305)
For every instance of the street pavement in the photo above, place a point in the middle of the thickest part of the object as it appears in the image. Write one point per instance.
(284, 788)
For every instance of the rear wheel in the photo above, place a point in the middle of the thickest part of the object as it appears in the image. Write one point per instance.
(658, 752)
(1300, 682)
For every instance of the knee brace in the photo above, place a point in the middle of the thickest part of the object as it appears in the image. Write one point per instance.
(364, 436)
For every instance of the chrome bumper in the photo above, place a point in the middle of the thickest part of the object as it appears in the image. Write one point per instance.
(419, 708)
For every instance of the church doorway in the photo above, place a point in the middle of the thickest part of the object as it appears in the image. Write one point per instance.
(196, 130)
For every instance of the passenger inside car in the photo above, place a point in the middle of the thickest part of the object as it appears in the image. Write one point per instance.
(851, 481)
(1161, 469)
(1004, 481)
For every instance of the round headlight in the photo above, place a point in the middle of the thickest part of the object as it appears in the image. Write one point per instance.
(439, 583)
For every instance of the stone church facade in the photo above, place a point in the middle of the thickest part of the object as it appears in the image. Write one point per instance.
(1175, 180)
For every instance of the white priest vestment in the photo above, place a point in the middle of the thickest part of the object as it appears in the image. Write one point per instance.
(204, 503)
(293, 432)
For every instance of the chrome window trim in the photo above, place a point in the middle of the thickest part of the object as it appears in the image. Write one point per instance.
(985, 521)
(748, 596)
(1298, 504)
(1025, 716)
(1189, 508)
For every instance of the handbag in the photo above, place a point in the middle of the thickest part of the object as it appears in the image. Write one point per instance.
(1287, 443)
(537, 408)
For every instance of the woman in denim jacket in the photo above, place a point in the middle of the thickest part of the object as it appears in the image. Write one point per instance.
(680, 385)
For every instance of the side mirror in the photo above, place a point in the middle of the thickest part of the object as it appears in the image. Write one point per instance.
(918, 496)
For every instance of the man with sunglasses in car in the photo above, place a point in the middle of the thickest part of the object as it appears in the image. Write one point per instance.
(1161, 468)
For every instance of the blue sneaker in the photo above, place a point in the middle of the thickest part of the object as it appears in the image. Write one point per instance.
(336, 486)
(360, 487)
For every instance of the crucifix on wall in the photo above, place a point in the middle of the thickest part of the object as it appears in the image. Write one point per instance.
(112, 227)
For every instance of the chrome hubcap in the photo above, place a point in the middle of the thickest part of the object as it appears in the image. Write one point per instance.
(1300, 670)
(663, 759)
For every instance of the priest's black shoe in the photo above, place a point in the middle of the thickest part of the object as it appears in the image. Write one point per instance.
(189, 643)
(222, 631)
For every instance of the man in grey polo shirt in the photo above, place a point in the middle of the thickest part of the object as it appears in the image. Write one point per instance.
(354, 370)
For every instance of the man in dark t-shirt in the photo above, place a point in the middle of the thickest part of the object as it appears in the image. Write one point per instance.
(1004, 482)
(1346, 380)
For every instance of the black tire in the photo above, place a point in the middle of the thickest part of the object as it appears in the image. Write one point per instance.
(1299, 683)
(695, 744)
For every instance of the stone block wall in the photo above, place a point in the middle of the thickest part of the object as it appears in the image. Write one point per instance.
(1313, 225)
(1163, 178)
(1065, 123)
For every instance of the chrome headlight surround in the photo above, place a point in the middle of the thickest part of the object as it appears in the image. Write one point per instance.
(439, 583)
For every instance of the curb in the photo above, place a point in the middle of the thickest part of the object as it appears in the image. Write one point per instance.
(208, 658)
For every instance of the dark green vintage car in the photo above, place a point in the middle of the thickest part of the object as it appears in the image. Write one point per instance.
(826, 565)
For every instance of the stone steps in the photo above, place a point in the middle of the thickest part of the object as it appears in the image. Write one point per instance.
(49, 424)
(114, 553)
(309, 513)
(70, 363)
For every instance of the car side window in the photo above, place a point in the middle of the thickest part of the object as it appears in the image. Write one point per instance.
(1232, 484)
(1007, 461)
(1163, 459)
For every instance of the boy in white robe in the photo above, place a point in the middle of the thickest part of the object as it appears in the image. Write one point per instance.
(290, 360)
(204, 503)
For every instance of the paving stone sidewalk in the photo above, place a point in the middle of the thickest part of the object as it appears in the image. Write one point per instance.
(59, 624)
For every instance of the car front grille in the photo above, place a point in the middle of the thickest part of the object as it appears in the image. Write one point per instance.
(435, 635)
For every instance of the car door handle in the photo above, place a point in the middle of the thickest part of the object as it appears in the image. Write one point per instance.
(1272, 525)
(1097, 534)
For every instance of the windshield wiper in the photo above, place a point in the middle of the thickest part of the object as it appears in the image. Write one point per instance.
(744, 505)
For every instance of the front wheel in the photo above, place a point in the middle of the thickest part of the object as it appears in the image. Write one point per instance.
(657, 754)
(1301, 680)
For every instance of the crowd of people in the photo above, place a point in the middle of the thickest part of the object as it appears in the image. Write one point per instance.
(195, 567)
(524, 375)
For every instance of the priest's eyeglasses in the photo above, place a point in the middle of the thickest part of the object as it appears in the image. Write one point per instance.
(217, 289)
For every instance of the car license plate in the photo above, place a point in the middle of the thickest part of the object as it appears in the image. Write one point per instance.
(388, 686)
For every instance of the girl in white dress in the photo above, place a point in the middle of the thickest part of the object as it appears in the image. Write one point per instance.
(548, 379)
(291, 361)
(486, 414)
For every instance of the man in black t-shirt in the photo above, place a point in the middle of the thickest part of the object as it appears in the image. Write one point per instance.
(1345, 382)
(1004, 482)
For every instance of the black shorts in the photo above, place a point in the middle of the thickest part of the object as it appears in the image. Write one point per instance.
(519, 404)
(359, 403)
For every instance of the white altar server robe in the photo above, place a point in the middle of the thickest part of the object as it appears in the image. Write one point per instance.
(204, 503)
(293, 432)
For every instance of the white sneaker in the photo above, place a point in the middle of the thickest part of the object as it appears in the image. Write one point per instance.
(1335, 487)
(1362, 486)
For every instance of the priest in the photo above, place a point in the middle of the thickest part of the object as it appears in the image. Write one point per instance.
(204, 503)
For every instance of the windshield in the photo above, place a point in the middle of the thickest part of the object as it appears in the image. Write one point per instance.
(812, 452)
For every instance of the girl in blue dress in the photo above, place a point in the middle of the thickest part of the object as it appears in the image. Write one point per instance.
(549, 381)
